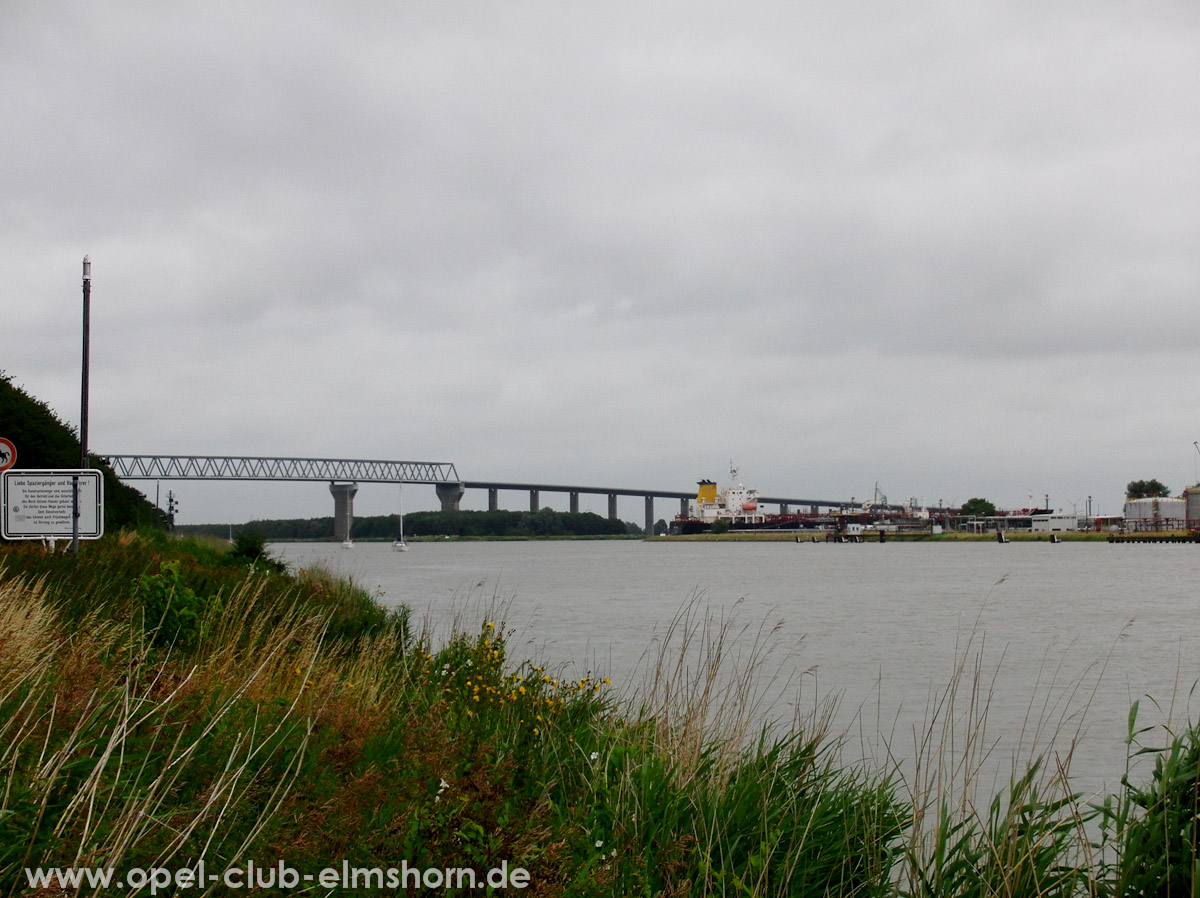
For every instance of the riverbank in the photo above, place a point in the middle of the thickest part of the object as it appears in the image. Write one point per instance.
(162, 702)
(888, 536)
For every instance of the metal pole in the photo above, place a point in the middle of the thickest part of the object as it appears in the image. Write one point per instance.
(74, 514)
(83, 414)
(87, 339)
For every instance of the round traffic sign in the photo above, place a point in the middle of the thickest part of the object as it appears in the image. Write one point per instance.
(8, 454)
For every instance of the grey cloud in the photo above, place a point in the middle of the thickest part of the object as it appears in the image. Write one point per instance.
(559, 239)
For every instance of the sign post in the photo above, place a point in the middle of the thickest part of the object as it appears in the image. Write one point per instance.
(52, 504)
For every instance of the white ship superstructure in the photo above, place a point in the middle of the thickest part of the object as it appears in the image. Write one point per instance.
(737, 503)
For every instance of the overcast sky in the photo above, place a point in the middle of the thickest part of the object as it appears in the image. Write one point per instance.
(952, 248)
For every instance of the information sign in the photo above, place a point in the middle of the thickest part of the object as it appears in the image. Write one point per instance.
(41, 504)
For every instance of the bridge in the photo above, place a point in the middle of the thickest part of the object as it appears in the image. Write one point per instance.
(344, 475)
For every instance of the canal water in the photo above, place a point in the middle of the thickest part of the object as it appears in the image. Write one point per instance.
(1056, 641)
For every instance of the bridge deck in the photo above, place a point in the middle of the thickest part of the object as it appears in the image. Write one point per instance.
(241, 467)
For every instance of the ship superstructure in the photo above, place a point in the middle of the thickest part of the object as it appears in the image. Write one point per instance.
(737, 503)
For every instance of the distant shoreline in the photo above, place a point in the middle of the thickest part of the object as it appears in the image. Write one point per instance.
(872, 536)
(792, 536)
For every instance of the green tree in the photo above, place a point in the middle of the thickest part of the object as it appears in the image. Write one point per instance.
(981, 508)
(1146, 489)
(44, 441)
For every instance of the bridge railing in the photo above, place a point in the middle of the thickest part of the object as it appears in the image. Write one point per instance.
(230, 467)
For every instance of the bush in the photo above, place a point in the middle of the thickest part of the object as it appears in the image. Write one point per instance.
(251, 546)
(171, 611)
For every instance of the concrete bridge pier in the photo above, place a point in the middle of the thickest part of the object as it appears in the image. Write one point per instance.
(649, 516)
(450, 494)
(575, 501)
(343, 509)
(612, 506)
(493, 499)
(534, 496)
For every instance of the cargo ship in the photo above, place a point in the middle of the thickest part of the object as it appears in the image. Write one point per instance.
(737, 504)
(741, 507)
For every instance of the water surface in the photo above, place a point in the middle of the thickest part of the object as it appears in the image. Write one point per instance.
(1050, 628)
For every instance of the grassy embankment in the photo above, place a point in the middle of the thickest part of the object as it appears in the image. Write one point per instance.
(163, 702)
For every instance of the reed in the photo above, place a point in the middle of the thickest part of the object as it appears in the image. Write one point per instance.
(689, 793)
(1151, 830)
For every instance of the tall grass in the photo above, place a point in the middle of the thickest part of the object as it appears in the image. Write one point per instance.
(972, 836)
(113, 755)
(1152, 829)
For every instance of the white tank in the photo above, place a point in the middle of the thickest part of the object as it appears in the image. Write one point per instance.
(1191, 500)
(1156, 509)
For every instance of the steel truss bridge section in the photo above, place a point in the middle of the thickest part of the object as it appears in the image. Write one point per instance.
(228, 467)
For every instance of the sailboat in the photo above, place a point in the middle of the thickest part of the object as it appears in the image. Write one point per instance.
(399, 544)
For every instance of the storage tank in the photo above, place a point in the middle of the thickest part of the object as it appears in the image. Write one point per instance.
(1144, 511)
(1191, 501)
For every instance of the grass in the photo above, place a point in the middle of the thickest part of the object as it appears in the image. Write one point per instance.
(163, 702)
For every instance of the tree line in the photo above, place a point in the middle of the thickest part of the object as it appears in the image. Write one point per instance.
(44, 441)
(512, 524)
(546, 522)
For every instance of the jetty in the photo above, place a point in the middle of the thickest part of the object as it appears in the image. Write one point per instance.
(1191, 537)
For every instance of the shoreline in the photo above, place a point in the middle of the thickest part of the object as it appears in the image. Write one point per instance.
(804, 537)
(872, 536)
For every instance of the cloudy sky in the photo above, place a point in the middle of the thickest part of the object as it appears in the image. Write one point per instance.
(952, 248)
